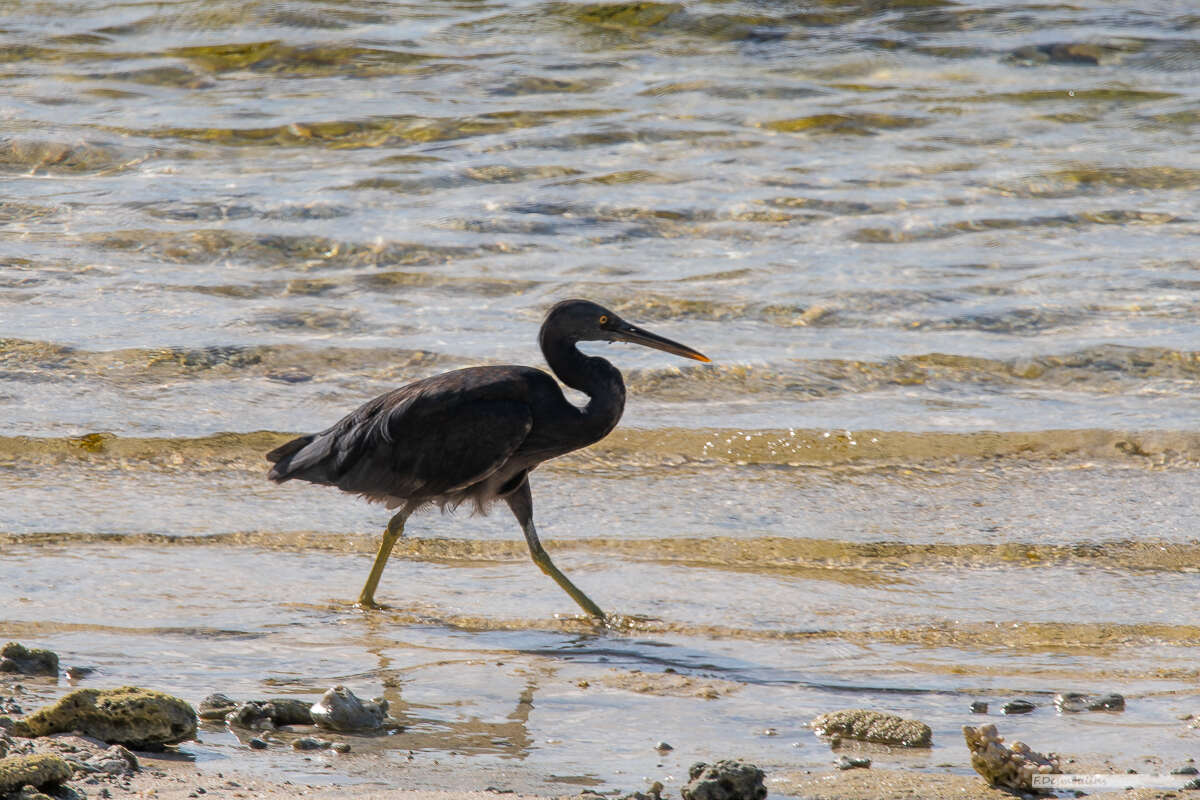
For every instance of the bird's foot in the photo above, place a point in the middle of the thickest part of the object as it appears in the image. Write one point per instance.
(369, 604)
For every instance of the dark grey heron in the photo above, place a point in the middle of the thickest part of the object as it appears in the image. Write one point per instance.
(475, 434)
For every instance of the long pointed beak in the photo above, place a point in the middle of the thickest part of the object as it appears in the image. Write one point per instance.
(636, 335)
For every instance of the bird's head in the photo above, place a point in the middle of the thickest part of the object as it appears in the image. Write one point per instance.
(585, 321)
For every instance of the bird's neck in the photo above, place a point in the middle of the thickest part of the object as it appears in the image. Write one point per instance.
(593, 376)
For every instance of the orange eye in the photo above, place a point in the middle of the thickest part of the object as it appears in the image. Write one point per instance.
(603, 319)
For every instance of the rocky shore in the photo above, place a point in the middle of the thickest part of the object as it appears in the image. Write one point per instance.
(120, 743)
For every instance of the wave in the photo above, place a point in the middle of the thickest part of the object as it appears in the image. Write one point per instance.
(1107, 369)
(673, 447)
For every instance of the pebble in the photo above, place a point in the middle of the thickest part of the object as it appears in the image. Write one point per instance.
(341, 747)
(311, 743)
(1187, 769)
(979, 707)
(853, 762)
(256, 743)
(663, 747)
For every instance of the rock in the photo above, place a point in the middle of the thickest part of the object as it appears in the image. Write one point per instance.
(31, 793)
(76, 672)
(38, 770)
(341, 747)
(725, 780)
(1107, 702)
(1073, 702)
(1192, 785)
(15, 657)
(853, 762)
(1059, 53)
(874, 726)
(116, 760)
(1186, 769)
(340, 710)
(256, 743)
(138, 718)
(216, 706)
(267, 715)
(1008, 768)
(290, 711)
(9, 705)
(311, 743)
(653, 793)
(663, 747)
(1070, 702)
(1017, 707)
(979, 707)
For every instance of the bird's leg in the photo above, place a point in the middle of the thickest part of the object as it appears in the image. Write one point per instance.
(521, 503)
(395, 530)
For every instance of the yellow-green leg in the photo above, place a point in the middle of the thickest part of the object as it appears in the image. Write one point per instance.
(395, 530)
(521, 503)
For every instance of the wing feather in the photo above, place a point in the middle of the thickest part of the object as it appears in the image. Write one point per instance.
(425, 439)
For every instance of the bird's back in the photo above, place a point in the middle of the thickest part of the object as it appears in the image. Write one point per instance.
(428, 440)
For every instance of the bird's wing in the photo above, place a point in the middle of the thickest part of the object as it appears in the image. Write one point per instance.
(430, 437)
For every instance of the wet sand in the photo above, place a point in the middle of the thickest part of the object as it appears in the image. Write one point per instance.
(168, 778)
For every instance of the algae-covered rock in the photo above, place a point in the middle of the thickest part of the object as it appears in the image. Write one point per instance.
(39, 770)
(724, 780)
(339, 709)
(16, 657)
(874, 726)
(139, 718)
(1008, 768)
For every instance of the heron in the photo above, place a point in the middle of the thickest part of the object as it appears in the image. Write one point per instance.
(475, 434)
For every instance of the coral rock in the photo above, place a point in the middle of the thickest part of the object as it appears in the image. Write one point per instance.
(16, 657)
(874, 726)
(41, 770)
(724, 780)
(1006, 767)
(138, 718)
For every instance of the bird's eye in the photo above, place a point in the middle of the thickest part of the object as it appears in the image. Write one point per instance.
(603, 319)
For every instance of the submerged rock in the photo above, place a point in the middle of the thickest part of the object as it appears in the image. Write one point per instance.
(1073, 702)
(15, 657)
(340, 710)
(874, 726)
(38, 770)
(1008, 768)
(724, 780)
(139, 718)
(267, 715)
(1018, 707)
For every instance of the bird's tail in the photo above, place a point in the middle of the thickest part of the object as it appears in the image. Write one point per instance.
(283, 456)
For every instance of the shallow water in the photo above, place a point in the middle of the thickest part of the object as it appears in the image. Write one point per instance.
(942, 256)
